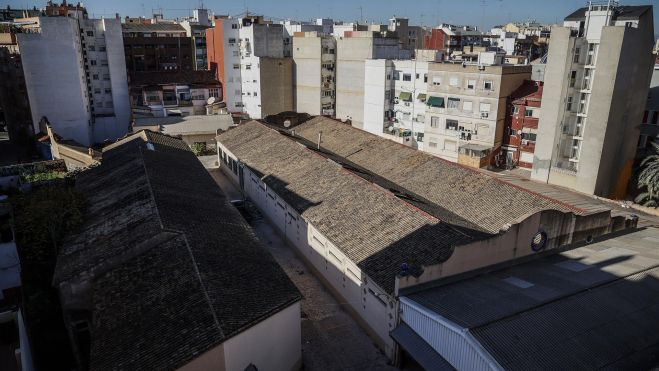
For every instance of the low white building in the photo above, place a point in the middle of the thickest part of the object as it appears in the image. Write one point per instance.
(75, 75)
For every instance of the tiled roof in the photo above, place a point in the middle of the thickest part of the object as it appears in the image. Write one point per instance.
(174, 269)
(154, 27)
(481, 200)
(367, 223)
(177, 77)
(594, 307)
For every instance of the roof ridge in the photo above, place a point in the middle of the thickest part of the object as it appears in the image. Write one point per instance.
(185, 238)
(370, 184)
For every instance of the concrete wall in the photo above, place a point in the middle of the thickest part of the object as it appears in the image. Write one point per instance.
(350, 57)
(54, 78)
(273, 344)
(307, 66)
(553, 101)
(276, 82)
(375, 101)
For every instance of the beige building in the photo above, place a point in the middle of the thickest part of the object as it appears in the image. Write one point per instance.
(466, 107)
(353, 49)
(596, 87)
(314, 60)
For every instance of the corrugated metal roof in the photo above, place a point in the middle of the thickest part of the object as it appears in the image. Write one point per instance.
(589, 308)
(421, 351)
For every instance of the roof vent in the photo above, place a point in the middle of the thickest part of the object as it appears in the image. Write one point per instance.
(150, 146)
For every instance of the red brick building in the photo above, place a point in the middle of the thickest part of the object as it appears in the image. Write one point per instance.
(521, 126)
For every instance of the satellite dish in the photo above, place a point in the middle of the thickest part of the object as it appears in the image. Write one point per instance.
(287, 123)
(210, 100)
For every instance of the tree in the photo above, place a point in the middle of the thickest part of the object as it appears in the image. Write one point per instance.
(648, 178)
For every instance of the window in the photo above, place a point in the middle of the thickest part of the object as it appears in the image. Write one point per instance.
(97, 91)
(485, 107)
(528, 113)
(488, 85)
(101, 48)
(214, 92)
(453, 81)
(236, 66)
(108, 104)
(93, 62)
(467, 106)
(239, 104)
(232, 40)
(573, 78)
(396, 75)
(471, 84)
(104, 62)
(94, 77)
(407, 77)
(255, 94)
(515, 110)
(106, 77)
(436, 81)
(453, 103)
(529, 136)
(576, 55)
(248, 66)
(108, 91)
(236, 53)
(451, 124)
(425, 77)
(568, 105)
(417, 76)
(90, 33)
(432, 144)
(234, 26)
(92, 48)
(434, 122)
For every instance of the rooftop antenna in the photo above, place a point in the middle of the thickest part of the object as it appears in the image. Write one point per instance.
(361, 15)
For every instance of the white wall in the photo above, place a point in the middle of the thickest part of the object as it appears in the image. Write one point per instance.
(273, 344)
(54, 78)
(375, 86)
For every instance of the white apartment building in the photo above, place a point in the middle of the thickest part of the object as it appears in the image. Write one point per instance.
(314, 57)
(466, 108)
(596, 87)
(353, 49)
(75, 74)
(251, 51)
(395, 100)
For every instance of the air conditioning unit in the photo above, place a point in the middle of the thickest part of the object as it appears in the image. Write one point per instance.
(396, 101)
(484, 115)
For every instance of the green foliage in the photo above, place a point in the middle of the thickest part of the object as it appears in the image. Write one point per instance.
(43, 217)
(200, 149)
(38, 177)
(648, 178)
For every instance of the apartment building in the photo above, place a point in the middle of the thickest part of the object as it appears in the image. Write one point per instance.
(596, 88)
(395, 100)
(650, 121)
(247, 55)
(521, 126)
(411, 37)
(75, 75)
(314, 58)
(157, 47)
(449, 38)
(182, 93)
(293, 27)
(353, 49)
(14, 102)
(466, 109)
(195, 28)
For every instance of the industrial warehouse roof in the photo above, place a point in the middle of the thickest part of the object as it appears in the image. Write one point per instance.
(367, 223)
(480, 200)
(174, 269)
(589, 308)
(622, 13)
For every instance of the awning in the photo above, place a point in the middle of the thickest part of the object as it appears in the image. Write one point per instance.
(435, 102)
(405, 96)
(421, 97)
(416, 347)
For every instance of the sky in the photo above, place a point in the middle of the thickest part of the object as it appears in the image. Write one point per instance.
(482, 13)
